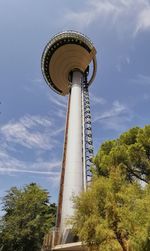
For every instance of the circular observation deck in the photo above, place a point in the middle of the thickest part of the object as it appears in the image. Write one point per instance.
(67, 51)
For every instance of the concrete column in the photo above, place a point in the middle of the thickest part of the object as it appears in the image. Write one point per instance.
(73, 181)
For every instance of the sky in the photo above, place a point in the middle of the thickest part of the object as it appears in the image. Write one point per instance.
(32, 116)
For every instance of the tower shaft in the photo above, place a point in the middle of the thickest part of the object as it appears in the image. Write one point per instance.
(73, 178)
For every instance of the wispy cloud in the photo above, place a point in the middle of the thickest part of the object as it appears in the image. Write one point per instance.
(14, 170)
(59, 104)
(58, 101)
(115, 117)
(95, 100)
(10, 164)
(34, 121)
(37, 80)
(34, 132)
(141, 80)
(122, 61)
(126, 14)
(117, 109)
(94, 10)
(143, 20)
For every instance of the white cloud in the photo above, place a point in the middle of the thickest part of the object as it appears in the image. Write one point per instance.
(10, 164)
(120, 14)
(37, 80)
(97, 100)
(141, 80)
(115, 117)
(143, 20)
(34, 121)
(59, 104)
(122, 61)
(12, 170)
(59, 101)
(94, 10)
(117, 109)
(31, 132)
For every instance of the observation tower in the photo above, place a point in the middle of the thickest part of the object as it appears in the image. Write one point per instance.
(69, 67)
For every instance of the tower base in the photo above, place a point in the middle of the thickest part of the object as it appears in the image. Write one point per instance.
(75, 246)
(49, 244)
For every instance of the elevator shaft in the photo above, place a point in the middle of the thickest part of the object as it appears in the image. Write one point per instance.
(88, 150)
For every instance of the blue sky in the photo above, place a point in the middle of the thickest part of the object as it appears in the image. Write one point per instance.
(32, 116)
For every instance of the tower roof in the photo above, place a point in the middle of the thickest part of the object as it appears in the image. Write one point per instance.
(65, 52)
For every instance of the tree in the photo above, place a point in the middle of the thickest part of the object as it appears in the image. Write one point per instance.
(131, 151)
(28, 217)
(114, 213)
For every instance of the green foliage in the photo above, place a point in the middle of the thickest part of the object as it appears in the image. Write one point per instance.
(28, 216)
(131, 151)
(114, 214)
